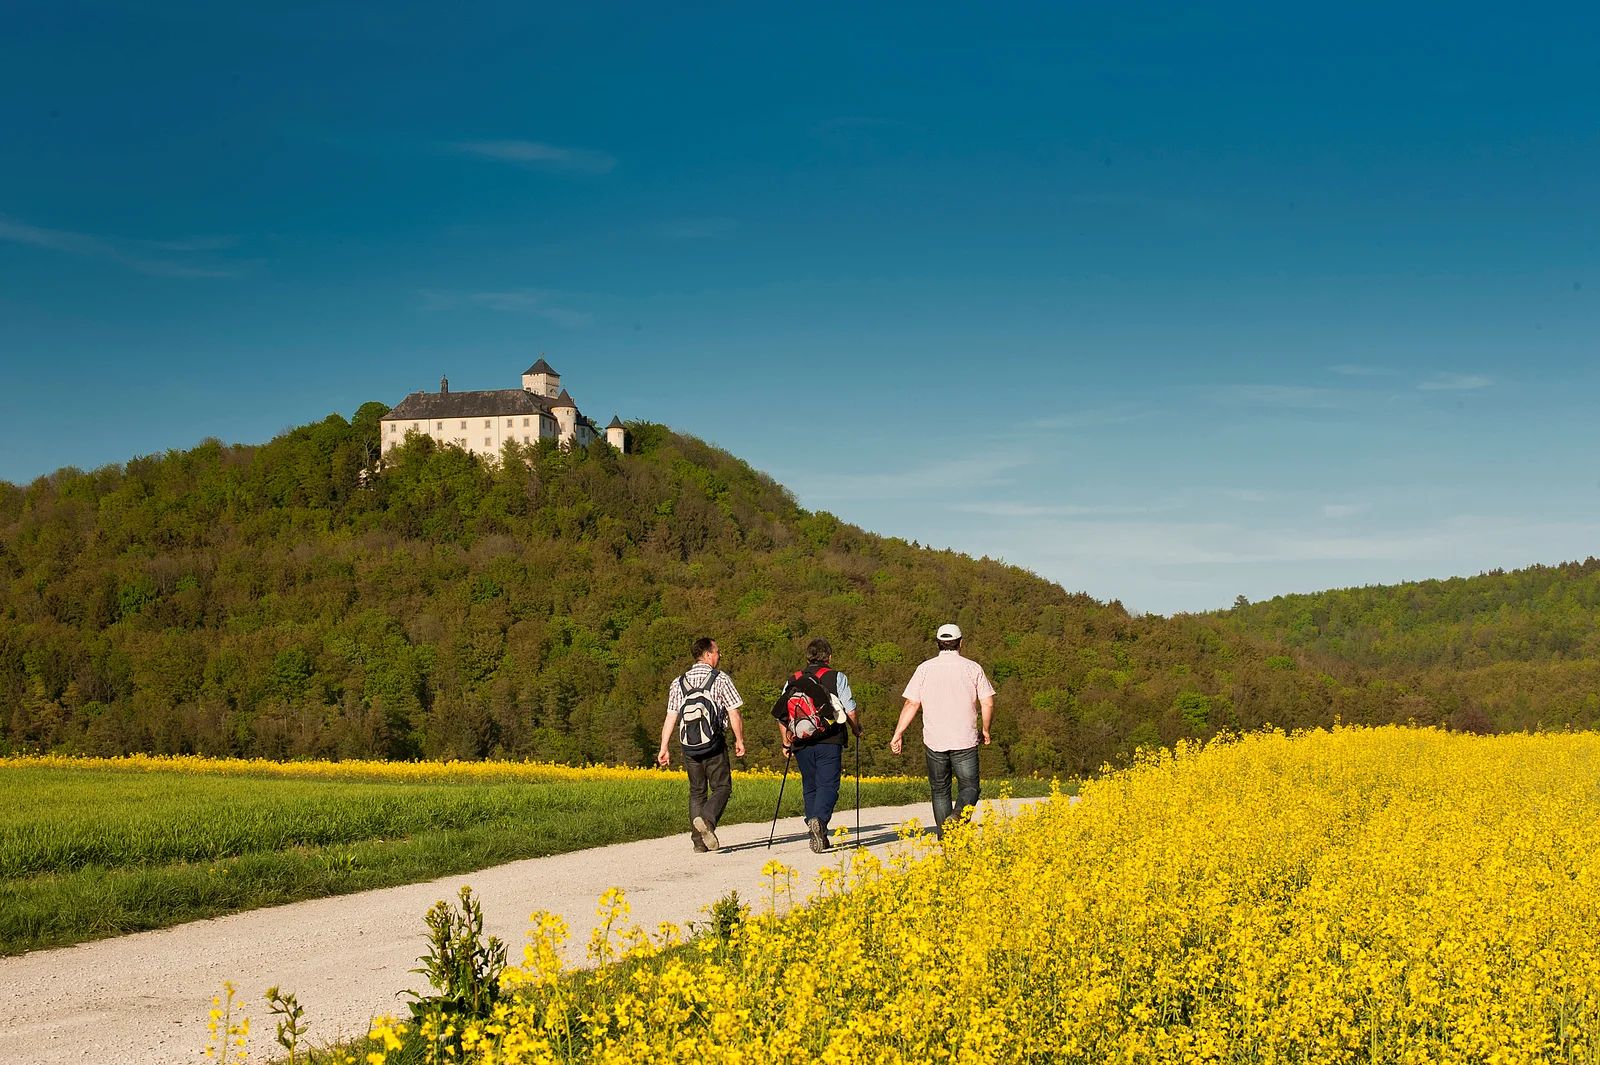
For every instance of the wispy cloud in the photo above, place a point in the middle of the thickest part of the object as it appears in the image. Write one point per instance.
(1344, 510)
(1117, 414)
(92, 247)
(1299, 396)
(1005, 509)
(1199, 543)
(539, 156)
(541, 303)
(1351, 369)
(208, 242)
(1454, 382)
(931, 479)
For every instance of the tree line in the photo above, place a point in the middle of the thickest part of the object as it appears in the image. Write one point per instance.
(300, 599)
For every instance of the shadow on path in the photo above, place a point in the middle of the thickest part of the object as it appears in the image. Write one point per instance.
(871, 836)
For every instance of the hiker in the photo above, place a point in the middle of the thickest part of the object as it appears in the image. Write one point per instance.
(701, 706)
(948, 689)
(814, 712)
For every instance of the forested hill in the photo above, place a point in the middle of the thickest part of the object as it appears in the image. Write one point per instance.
(291, 599)
(1543, 613)
(1515, 649)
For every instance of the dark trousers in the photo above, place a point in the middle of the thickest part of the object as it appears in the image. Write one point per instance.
(710, 788)
(963, 766)
(821, 766)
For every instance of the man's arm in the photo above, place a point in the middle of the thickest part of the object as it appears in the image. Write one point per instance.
(728, 697)
(662, 757)
(987, 702)
(908, 714)
(847, 700)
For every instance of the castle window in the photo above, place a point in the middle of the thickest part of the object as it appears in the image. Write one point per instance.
(415, 426)
(487, 442)
(488, 423)
(510, 422)
(524, 423)
(393, 427)
(441, 426)
(463, 425)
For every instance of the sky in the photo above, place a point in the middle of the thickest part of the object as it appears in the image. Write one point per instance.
(1169, 305)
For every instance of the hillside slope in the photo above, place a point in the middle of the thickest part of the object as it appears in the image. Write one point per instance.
(288, 600)
(1515, 649)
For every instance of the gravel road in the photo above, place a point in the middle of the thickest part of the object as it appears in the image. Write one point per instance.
(142, 999)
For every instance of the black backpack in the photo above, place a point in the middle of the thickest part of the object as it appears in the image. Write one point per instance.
(699, 720)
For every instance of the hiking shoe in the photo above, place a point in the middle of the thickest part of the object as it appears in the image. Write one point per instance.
(819, 835)
(708, 835)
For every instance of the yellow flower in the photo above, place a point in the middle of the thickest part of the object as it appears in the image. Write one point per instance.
(1360, 895)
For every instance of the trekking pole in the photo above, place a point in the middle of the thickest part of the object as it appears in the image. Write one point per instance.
(858, 791)
(778, 807)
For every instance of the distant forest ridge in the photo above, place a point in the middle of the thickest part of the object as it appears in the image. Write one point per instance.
(294, 599)
(1542, 613)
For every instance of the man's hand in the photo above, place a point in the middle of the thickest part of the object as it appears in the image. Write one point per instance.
(738, 748)
(986, 737)
(895, 744)
(664, 759)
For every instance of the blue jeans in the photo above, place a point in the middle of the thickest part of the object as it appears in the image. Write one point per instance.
(942, 765)
(821, 766)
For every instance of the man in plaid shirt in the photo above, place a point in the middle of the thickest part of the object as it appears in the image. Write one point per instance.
(711, 772)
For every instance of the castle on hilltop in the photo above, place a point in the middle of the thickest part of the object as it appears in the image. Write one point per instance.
(483, 422)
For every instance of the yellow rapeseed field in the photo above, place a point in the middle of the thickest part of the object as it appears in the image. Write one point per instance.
(1386, 895)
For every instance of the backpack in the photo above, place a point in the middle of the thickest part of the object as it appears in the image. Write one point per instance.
(699, 720)
(810, 708)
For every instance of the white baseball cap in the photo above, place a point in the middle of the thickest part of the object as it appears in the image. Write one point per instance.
(948, 632)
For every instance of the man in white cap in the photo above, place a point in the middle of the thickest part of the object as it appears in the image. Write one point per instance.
(949, 690)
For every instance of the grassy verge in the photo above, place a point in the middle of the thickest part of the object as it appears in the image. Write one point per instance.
(94, 851)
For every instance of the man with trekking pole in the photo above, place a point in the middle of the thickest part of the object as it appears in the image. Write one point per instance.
(701, 706)
(815, 713)
(951, 691)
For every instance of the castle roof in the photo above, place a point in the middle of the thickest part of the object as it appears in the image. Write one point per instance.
(563, 400)
(541, 367)
(616, 423)
(497, 402)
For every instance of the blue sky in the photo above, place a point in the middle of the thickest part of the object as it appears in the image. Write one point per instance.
(1169, 305)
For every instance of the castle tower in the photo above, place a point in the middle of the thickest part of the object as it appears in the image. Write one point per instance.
(616, 435)
(566, 413)
(542, 380)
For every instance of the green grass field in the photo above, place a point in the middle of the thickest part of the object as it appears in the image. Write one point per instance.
(93, 852)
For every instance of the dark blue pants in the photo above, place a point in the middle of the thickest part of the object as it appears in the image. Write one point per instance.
(821, 765)
(942, 765)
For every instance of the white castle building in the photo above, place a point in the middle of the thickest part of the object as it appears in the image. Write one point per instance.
(483, 422)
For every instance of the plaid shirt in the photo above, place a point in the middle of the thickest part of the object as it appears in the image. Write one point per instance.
(723, 693)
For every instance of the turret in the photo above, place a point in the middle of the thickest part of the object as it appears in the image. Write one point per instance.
(566, 413)
(542, 380)
(616, 434)
(444, 386)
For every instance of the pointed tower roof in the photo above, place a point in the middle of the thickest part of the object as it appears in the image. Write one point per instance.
(616, 423)
(563, 400)
(542, 367)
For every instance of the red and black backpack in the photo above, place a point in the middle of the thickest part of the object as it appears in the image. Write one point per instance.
(808, 705)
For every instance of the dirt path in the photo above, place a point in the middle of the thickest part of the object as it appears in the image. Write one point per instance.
(142, 999)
